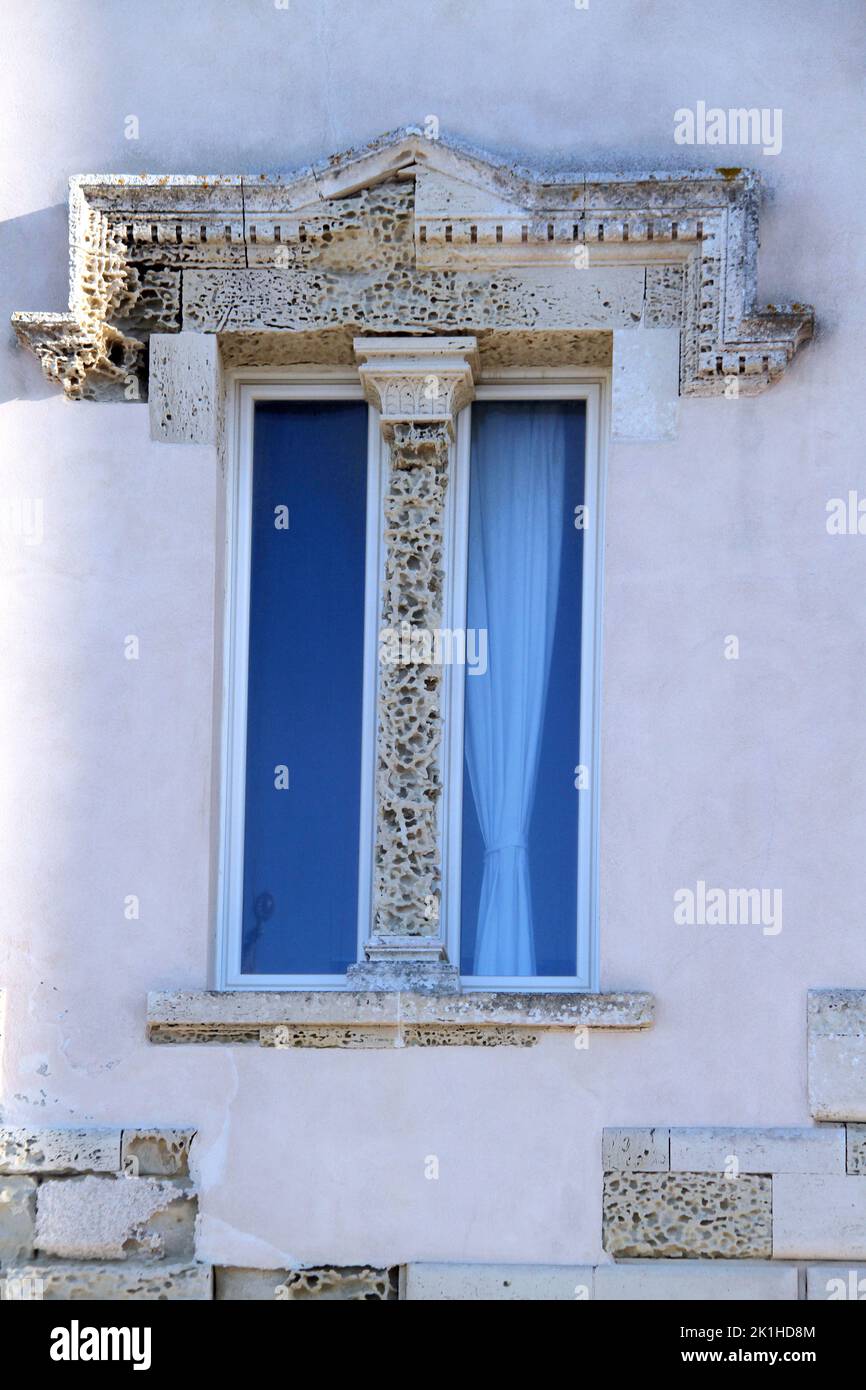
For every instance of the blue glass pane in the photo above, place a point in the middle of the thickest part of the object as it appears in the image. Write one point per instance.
(522, 740)
(305, 688)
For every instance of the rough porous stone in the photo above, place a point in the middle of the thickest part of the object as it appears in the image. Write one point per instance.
(635, 1150)
(160, 1153)
(836, 1283)
(805, 1150)
(691, 1281)
(118, 1282)
(25, 1150)
(383, 1018)
(184, 388)
(836, 1033)
(819, 1218)
(347, 1283)
(119, 1218)
(460, 245)
(17, 1213)
(856, 1148)
(687, 1215)
(329, 1283)
(492, 1283)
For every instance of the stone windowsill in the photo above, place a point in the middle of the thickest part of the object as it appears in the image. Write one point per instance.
(384, 1018)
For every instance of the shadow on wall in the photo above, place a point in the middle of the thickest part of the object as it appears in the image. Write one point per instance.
(34, 252)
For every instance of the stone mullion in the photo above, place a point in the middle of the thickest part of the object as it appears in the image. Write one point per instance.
(418, 385)
(407, 859)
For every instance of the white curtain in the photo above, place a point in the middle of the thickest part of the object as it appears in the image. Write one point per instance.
(517, 488)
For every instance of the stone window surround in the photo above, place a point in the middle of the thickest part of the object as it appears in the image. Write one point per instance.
(175, 278)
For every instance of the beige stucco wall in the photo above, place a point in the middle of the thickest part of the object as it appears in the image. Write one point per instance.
(743, 773)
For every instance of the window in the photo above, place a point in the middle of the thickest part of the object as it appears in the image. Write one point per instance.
(520, 787)
(519, 697)
(304, 546)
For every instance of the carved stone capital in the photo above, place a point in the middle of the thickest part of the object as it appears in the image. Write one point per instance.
(415, 381)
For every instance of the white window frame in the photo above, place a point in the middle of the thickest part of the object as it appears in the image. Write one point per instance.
(245, 389)
(525, 384)
(247, 386)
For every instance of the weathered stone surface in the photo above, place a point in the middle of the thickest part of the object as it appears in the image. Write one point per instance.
(636, 1150)
(184, 388)
(389, 1018)
(837, 1054)
(349, 1283)
(801, 1150)
(458, 246)
(17, 1213)
(101, 1218)
(118, 1282)
(673, 1215)
(856, 1148)
(160, 1153)
(25, 1150)
(819, 1218)
(692, 1281)
(835, 1283)
(355, 1283)
(490, 1283)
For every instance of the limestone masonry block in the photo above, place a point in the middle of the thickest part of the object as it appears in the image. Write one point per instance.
(856, 1149)
(695, 1281)
(469, 1283)
(687, 1215)
(352, 1283)
(821, 1218)
(160, 1153)
(25, 1150)
(17, 1212)
(118, 1282)
(807, 1150)
(115, 1218)
(836, 1033)
(637, 1150)
(836, 1283)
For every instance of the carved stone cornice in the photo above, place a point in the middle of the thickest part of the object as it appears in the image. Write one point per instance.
(413, 235)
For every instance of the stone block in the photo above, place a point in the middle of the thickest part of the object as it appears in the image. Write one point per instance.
(25, 1150)
(692, 1281)
(184, 388)
(116, 1282)
(119, 1218)
(856, 1148)
(691, 1215)
(635, 1150)
(17, 1213)
(836, 1283)
(836, 1053)
(821, 1218)
(804, 1150)
(159, 1153)
(349, 1283)
(493, 1283)
(645, 384)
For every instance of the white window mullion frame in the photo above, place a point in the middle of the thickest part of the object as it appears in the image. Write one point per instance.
(524, 384)
(245, 389)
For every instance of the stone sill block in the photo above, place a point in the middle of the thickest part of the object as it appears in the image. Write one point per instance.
(384, 1018)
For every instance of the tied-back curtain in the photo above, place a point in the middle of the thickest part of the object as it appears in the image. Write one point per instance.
(517, 491)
